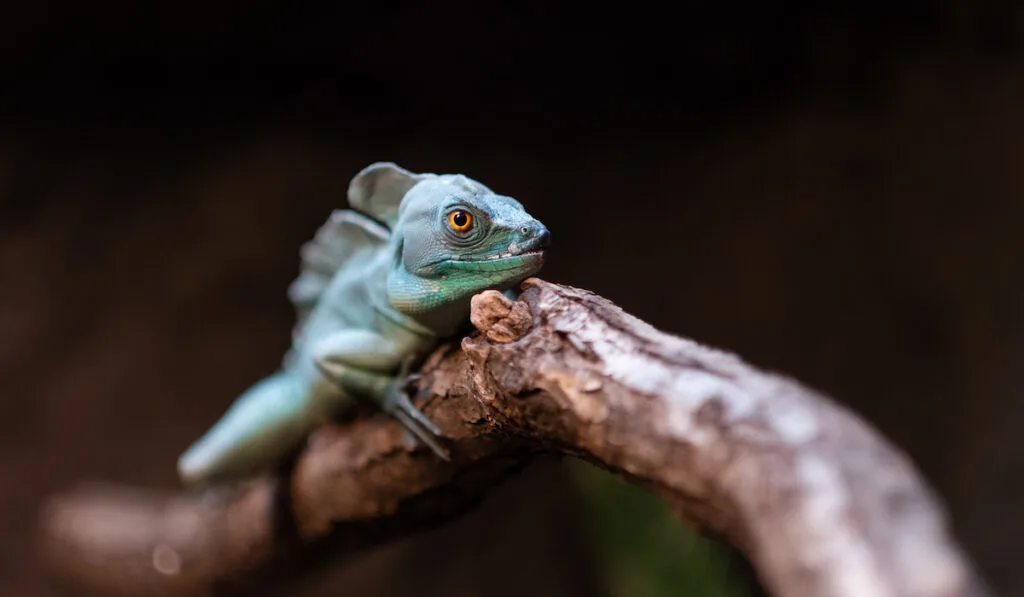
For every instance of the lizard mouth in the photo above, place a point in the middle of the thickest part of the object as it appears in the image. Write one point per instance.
(526, 256)
(519, 256)
(500, 262)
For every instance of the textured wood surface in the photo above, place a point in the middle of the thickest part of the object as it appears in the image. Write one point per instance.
(820, 502)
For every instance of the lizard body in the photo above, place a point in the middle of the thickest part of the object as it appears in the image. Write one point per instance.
(381, 284)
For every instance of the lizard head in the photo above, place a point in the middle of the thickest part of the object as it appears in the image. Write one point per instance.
(452, 237)
(458, 230)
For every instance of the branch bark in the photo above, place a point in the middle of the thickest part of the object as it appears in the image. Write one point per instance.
(820, 503)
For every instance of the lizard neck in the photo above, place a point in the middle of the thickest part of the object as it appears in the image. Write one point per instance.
(435, 303)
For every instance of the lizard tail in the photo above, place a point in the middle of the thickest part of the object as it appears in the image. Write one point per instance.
(264, 424)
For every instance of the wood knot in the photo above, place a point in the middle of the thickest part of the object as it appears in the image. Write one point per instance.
(501, 319)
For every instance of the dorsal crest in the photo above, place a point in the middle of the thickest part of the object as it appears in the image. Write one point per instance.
(346, 238)
(351, 235)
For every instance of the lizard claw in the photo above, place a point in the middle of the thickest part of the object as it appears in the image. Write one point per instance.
(398, 405)
(405, 372)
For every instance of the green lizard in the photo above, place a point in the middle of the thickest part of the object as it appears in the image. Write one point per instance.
(379, 286)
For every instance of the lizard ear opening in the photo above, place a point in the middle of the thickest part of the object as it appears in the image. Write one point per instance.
(378, 190)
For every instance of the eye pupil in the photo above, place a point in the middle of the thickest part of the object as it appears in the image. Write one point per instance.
(460, 220)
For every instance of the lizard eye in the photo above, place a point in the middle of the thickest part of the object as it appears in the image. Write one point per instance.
(460, 220)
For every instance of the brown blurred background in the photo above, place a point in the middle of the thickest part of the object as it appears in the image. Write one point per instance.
(834, 192)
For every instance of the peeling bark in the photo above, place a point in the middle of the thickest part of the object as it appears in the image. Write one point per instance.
(819, 502)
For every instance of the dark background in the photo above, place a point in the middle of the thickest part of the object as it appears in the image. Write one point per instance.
(830, 191)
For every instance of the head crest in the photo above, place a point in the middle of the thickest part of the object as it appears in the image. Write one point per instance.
(378, 189)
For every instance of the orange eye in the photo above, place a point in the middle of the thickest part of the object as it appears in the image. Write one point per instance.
(460, 220)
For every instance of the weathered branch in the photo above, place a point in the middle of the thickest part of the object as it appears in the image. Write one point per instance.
(818, 501)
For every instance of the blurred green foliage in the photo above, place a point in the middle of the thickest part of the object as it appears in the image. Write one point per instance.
(645, 550)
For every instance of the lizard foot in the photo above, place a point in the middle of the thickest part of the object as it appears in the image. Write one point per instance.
(398, 405)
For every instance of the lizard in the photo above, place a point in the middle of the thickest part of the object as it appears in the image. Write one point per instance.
(380, 285)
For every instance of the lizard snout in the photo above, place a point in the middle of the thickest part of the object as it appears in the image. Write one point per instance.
(535, 236)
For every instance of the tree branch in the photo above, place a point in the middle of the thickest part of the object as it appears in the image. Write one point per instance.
(819, 502)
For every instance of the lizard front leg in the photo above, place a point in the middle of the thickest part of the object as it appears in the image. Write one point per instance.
(366, 363)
